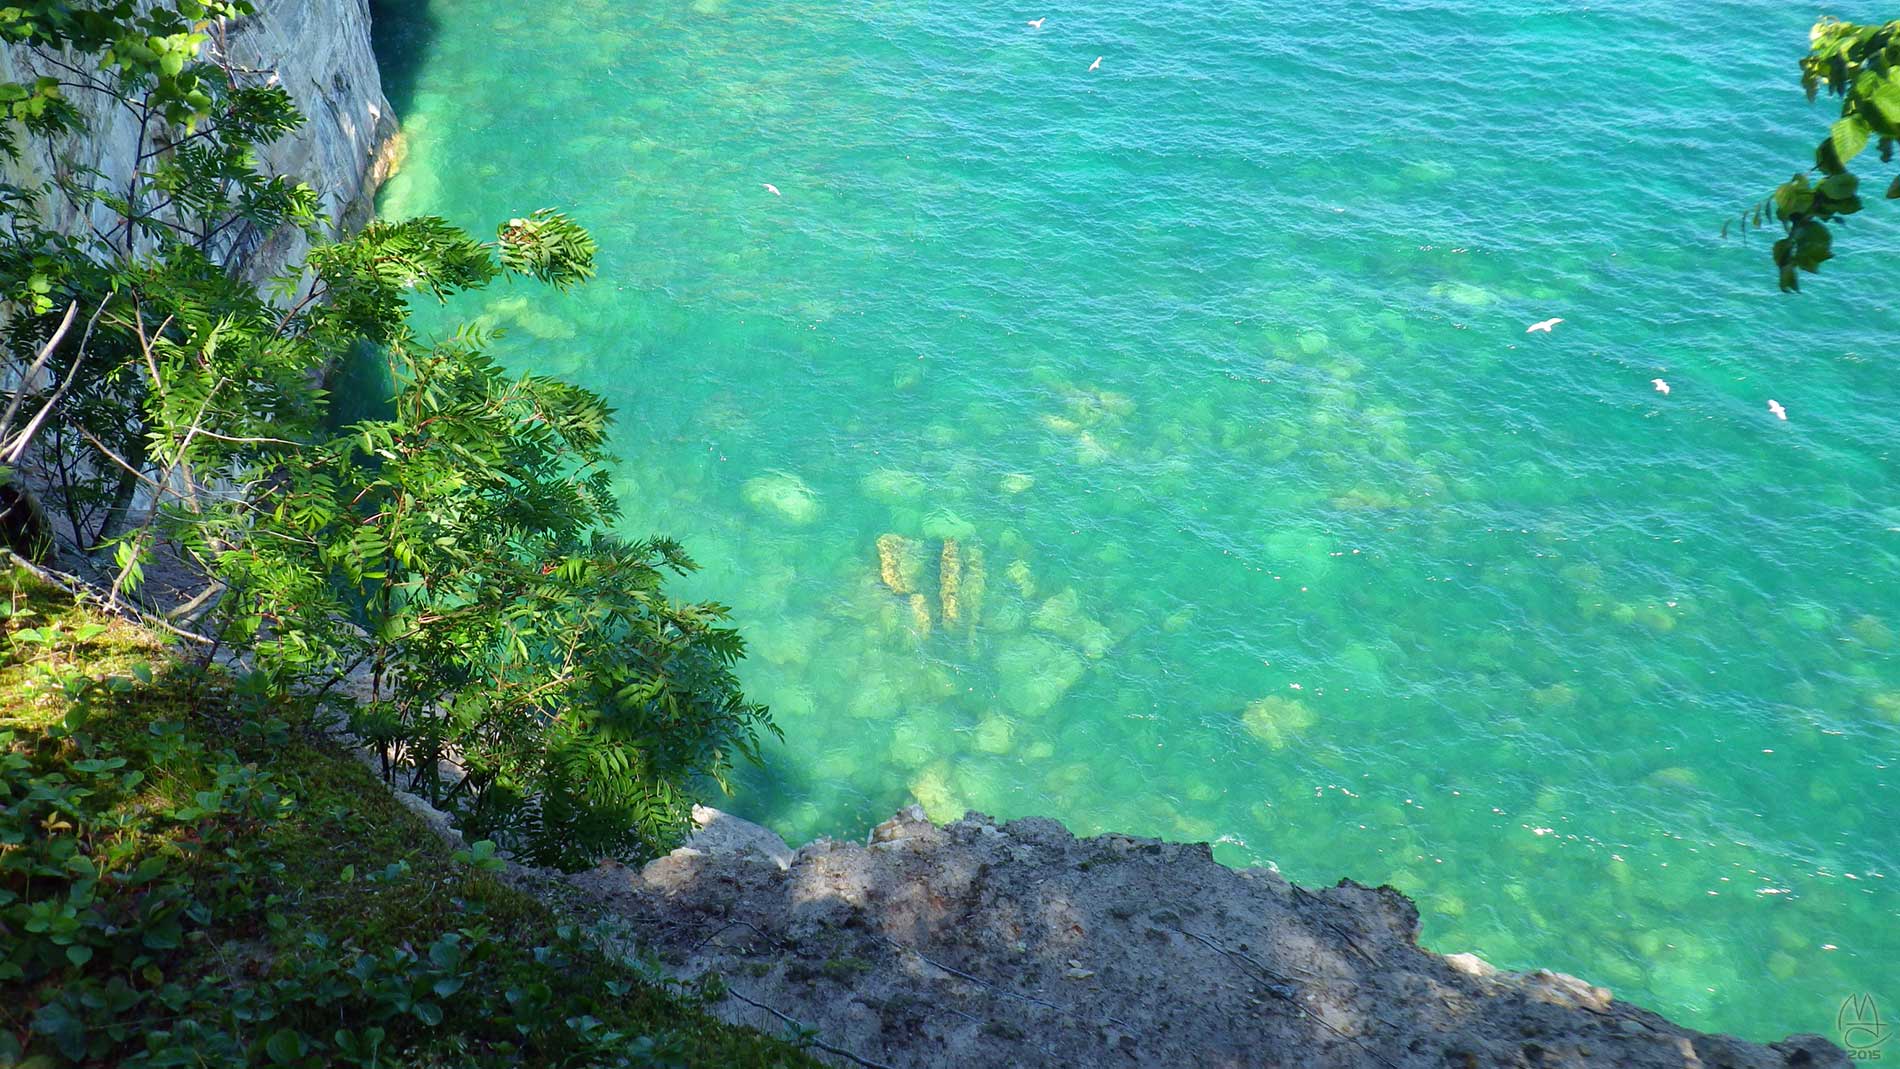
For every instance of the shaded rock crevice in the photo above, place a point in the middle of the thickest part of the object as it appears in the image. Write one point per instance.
(979, 943)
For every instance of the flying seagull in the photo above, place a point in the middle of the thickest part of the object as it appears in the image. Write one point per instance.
(1544, 326)
(1037, 23)
(1775, 407)
(1661, 386)
(1097, 64)
(772, 189)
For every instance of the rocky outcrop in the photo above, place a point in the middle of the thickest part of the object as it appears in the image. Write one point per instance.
(985, 944)
(319, 50)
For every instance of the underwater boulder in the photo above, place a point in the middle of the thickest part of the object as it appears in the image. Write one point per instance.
(900, 563)
(1018, 572)
(950, 582)
(914, 744)
(876, 696)
(1063, 617)
(994, 733)
(783, 495)
(920, 615)
(933, 791)
(974, 584)
(946, 525)
(1034, 673)
(890, 486)
(1277, 721)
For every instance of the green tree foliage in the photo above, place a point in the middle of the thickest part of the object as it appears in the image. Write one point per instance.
(153, 47)
(1861, 66)
(458, 557)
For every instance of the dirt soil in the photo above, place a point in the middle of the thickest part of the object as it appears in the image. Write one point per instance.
(979, 944)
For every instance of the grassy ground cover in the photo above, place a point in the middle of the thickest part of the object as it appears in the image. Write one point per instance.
(188, 881)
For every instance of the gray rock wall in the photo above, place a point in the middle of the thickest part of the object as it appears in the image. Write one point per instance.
(320, 51)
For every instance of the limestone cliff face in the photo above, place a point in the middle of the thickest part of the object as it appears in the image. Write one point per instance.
(319, 50)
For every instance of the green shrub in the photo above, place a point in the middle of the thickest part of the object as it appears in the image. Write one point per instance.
(527, 669)
(181, 885)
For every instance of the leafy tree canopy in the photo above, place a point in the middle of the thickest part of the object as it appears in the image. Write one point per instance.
(459, 560)
(1861, 66)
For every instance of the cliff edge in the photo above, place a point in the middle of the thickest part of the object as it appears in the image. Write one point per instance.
(978, 943)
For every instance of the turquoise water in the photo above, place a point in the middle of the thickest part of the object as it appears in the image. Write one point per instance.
(1290, 537)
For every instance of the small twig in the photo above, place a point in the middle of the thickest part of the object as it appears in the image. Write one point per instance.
(819, 1043)
(960, 1013)
(164, 479)
(17, 447)
(39, 363)
(145, 344)
(251, 440)
(980, 982)
(1299, 891)
(76, 586)
(184, 610)
(779, 944)
(1236, 954)
(1281, 988)
(339, 677)
(124, 464)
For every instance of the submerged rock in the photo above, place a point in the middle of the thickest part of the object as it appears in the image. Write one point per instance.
(900, 563)
(913, 743)
(947, 525)
(1464, 293)
(889, 486)
(1018, 572)
(975, 584)
(1277, 721)
(783, 495)
(1062, 616)
(933, 792)
(1089, 449)
(1035, 673)
(875, 697)
(993, 734)
(520, 311)
(950, 582)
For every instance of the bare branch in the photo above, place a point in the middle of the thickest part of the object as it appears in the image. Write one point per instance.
(184, 610)
(93, 440)
(11, 452)
(39, 365)
(76, 586)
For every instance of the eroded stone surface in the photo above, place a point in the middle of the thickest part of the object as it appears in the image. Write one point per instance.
(722, 833)
(1017, 944)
